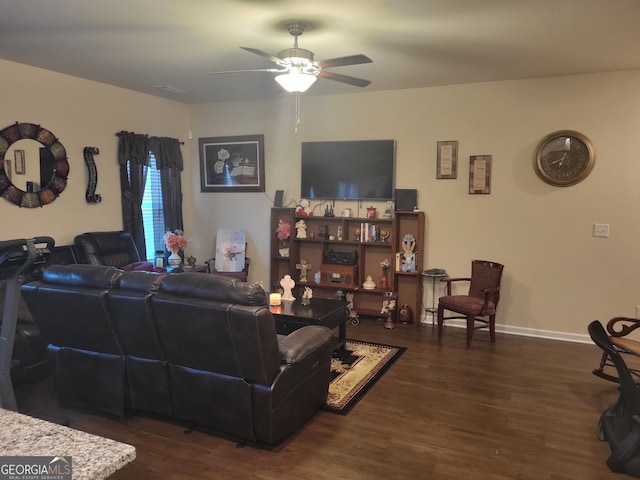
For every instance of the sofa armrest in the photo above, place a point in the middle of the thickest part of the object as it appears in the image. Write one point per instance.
(302, 342)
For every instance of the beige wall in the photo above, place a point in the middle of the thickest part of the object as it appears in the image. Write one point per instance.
(80, 113)
(557, 276)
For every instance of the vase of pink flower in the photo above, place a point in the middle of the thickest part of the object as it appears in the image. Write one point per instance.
(283, 232)
(175, 242)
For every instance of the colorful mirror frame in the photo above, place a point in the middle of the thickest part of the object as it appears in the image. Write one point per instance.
(48, 193)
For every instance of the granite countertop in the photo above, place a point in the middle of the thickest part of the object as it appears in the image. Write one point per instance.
(93, 457)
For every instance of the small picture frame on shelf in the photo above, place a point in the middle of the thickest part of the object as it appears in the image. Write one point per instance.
(479, 174)
(447, 159)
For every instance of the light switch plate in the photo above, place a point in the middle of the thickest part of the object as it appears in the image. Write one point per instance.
(600, 229)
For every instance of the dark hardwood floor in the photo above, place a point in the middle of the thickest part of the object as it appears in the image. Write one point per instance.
(525, 408)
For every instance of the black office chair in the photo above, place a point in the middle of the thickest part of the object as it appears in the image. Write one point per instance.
(619, 425)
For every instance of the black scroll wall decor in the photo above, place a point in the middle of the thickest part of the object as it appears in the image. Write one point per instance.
(91, 195)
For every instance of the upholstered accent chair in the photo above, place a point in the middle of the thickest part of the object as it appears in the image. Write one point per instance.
(479, 306)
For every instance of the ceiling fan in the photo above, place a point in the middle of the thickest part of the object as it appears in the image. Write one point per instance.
(297, 68)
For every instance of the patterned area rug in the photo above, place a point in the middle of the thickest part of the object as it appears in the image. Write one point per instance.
(356, 369)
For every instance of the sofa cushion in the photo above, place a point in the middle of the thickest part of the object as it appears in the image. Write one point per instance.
(214, 287)
(141, 281)
(92, 276)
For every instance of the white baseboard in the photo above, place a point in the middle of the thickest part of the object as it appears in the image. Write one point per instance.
(427, 318)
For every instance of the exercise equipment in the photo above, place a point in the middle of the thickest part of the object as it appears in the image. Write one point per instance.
(17, 257)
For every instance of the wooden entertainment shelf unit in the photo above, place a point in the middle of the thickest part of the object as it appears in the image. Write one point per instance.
(350, 277)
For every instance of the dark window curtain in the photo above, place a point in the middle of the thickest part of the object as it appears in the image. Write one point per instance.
(169, 162)
(133, 157)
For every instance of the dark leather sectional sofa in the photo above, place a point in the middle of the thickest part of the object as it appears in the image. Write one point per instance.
(196, 347)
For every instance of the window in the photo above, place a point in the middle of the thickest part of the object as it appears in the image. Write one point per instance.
(152, 211)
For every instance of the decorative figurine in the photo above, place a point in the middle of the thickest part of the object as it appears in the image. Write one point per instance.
(408, 255)
(301, 229)
(408, 243)
(371, 212)
(405, 315)
(328, 211)
(304, 209)
(388, 309)
(303, 266)
(307, 296)
(388, 212)
(354, 318)
(191, 261)
(369, 284)
(287, 283)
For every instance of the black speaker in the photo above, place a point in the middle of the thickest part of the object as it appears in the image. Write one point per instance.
(341, 258)
(406, 199)
(277, 201)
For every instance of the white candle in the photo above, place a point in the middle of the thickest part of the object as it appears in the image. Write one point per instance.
(275, 299)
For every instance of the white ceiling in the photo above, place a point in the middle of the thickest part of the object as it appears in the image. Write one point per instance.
(142, 44)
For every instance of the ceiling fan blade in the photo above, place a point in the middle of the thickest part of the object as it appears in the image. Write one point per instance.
(344, 61)
(266, 55)
(273, 70)
(356, 82)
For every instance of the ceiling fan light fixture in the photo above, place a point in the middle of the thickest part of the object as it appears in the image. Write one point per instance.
(296, 81)
(297, 56)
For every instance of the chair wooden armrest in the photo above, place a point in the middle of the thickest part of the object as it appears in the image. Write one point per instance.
(241, 275)
(448, 281)
(487, 291)
(617, 329)
(621, 326)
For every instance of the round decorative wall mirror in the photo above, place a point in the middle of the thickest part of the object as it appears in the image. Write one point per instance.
(34, 169)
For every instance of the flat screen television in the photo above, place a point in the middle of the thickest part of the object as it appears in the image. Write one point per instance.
(348, 170)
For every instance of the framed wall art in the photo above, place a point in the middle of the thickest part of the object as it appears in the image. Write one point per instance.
(480, 174)
(18, 156)
(232, 164)
(447, 166)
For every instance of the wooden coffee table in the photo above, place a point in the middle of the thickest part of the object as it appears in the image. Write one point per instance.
(326, 312)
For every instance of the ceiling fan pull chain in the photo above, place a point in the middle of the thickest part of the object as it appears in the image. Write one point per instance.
(297, 121)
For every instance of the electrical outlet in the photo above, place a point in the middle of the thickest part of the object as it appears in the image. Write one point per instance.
(638, 312)
(600, 229)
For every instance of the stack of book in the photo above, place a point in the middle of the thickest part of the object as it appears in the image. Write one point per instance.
(369, 232)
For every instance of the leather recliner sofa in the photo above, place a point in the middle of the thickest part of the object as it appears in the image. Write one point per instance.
(195, 347)
(114, 249)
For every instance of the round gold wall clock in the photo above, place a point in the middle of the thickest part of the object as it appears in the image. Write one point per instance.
(564, 158)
